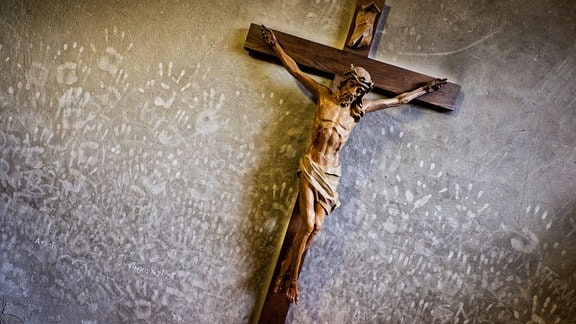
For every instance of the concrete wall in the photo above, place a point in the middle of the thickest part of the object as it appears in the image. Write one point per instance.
(147, 166)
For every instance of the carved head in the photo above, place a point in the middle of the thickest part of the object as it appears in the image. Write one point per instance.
(360, 75)
(355, 84)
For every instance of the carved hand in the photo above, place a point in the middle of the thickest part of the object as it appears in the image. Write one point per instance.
(434, 85)
(268, 36)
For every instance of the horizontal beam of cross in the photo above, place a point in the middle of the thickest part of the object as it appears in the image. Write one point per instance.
(328, 60)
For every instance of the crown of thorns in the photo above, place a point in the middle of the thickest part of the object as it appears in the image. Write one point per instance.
(360, 75)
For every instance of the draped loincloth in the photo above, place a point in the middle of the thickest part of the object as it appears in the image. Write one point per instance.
(324, 181)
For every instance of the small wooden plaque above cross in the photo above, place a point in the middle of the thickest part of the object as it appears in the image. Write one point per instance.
(387, 78)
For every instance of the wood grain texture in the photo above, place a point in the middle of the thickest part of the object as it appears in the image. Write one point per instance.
(387, 78)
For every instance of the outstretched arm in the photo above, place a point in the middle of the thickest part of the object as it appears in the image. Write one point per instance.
(405, 97)
(289, 63)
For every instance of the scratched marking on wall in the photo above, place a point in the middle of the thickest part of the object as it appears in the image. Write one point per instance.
(70, 151)
(106, 180)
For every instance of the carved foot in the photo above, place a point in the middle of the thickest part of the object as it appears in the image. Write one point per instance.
(292, 292)
(281, 283)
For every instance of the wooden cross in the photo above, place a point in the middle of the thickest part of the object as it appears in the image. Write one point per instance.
(388, 79)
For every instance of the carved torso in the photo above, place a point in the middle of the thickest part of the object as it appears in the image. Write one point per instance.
(330, 131)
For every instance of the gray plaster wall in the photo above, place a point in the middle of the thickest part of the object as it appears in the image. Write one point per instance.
(147, 166)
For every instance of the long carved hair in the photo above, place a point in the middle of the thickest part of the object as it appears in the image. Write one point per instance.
(363, 78)
(357, 109)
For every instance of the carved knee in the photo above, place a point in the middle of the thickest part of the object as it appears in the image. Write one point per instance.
(316, 229)
(308, 228)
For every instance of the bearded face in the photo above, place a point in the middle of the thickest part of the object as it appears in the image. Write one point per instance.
(354, 85)
(350, 90)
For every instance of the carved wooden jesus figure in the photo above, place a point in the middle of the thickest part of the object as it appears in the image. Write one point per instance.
(337, 112)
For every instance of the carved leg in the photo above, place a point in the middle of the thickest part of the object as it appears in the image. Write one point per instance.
(308, 212)
(283, 278)
(298, 250)
(320, 216)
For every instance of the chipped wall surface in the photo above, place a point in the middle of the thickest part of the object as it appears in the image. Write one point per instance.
(147, 166)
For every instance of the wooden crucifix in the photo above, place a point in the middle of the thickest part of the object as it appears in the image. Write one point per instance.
(338, 110)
